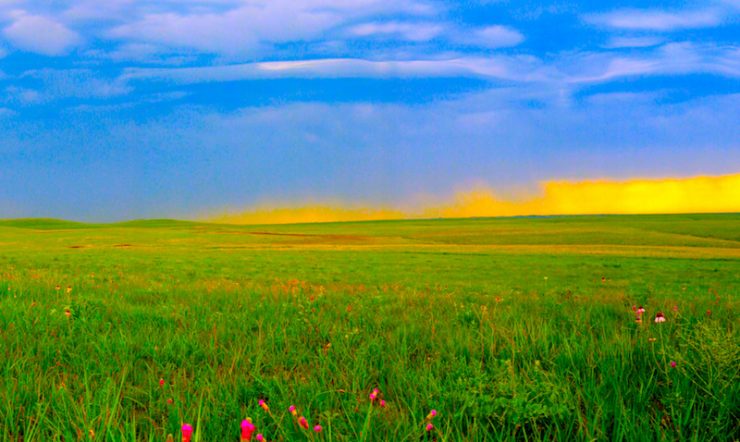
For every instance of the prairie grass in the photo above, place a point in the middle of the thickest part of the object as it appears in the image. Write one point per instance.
(533, 341)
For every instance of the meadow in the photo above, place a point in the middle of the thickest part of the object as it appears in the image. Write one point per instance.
(510, 328)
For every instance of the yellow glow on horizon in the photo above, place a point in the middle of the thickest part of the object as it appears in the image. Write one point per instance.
(703, 194)
(307, 214)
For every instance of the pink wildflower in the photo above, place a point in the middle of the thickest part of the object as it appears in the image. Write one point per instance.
(161, 382)
(317, 428)
(429, 427)
(673, 364)
(303, 422)
(187, 432)
(659, 317)
(260, 437)
(374, 394)
(382, 403)
(641, 310)
(292, 410)
(431, 414)
(247, 430)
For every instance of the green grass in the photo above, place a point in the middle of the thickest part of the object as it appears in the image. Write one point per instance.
(504, 326)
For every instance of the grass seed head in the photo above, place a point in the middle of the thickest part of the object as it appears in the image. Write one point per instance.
(264, 405)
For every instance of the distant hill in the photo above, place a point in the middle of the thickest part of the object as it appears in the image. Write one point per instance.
(44, 224)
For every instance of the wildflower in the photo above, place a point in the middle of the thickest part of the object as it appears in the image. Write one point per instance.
(247, 430)
(673, 364)
(374, 394)
(264, 406)
(641, 310)
(431, 414)
(382, 403)
(634, 308)
(603, 279)
(292, 410)
(675, 308)
(303, 422)
(69, 289)
(161, 382)
(709, 313)
(317, 428)
(57, 288)
(429, 427)
(638, 319)
(187, 432)
(67, 313)
(260, 437)
(659, 317)
(169, 401)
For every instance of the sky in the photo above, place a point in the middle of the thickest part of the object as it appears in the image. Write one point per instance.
(203, 109)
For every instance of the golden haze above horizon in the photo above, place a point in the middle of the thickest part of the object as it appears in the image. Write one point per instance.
(701, 194)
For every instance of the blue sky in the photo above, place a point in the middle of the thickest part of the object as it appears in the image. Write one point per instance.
(126, 109)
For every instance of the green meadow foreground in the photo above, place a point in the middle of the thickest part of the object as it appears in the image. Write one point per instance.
(511, 329)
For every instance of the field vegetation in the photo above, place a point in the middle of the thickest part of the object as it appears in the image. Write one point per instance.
(510, 328)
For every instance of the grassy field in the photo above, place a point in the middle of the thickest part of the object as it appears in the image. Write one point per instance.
(511, 329)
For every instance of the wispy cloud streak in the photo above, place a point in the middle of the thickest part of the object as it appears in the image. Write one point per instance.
(657, 20)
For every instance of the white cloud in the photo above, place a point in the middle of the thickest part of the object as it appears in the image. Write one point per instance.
(656, 20)
(401, 30)
(494, 36)
(51, 84)
(144, 53)
(499, 67)
(633, 42)
(565, 72)
(497, 37)
(669, 59)
(24, 96)
(257, 24)
(43, 35)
